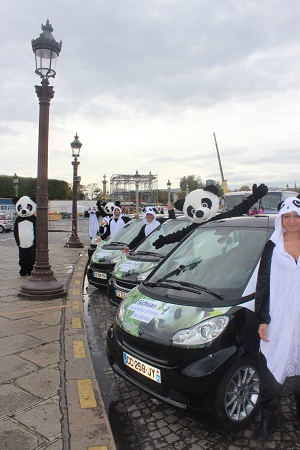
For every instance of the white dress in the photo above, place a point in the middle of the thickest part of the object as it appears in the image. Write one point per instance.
(283, 351)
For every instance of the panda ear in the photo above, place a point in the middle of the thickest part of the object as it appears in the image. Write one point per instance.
(15, 200)
(211, 188)
(179, 204)
(33, 199)
(117, 203)
(279, 205)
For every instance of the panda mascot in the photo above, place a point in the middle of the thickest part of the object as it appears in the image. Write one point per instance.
(25, 232)
(106, 210)
(201, 206)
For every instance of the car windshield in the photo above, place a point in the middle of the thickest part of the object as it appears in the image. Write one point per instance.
(168, 227)
(271, 200)
(126, 234)
(213, 262)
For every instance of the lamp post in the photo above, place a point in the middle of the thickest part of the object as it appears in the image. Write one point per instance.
(104, 183)
(137, 177)
(16, 183)
(169, 190)
(74, 241)
(42, 285)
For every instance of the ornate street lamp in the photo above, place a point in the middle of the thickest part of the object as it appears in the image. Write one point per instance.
(74, 241)
(104, 183)
(16, 183)
(169, 190)
(137, 178)
(42, 285)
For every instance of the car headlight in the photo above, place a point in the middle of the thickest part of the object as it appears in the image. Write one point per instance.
(202, 333)
(116, 259)
(142, 276)
(120, 316)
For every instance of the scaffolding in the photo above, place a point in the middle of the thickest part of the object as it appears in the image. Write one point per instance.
(123, 188)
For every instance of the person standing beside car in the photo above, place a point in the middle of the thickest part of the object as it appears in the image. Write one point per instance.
(115, 224)
(150, 224)
(277, 309)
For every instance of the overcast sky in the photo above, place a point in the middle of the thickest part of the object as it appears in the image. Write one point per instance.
(146, 83)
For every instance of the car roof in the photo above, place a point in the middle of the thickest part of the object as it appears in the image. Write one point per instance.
(257, 221)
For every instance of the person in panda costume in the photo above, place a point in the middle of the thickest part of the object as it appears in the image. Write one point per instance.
(25, 232)
(277, 310)
(115, 224)
(106, 212)
(150, 223)
(201, 206)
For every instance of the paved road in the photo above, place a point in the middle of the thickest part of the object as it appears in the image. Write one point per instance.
(138, 422)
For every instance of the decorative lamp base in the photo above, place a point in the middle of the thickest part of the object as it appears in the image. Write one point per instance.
(42, 288)
(74, 242)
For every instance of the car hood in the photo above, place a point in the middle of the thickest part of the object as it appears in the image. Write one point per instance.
(106, 255)
(129, 269)
(140, 315)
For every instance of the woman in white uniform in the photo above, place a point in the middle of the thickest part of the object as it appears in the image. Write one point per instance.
(277, 309)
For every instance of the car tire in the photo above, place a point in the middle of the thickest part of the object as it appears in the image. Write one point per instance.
(1, 229)
(236, 401)
(7, 231)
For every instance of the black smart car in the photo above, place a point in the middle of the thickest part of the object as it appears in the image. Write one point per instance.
(134, 267)
(187, 334)
(107, 252)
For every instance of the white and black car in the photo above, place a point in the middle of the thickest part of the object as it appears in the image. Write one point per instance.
(187, 334)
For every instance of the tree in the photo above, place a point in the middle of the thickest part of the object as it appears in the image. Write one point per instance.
(190, 182)
(244, 188)
(93, 191)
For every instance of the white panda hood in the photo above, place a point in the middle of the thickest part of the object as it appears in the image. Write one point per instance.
(152, 225)
(201, 205)
(291, 204)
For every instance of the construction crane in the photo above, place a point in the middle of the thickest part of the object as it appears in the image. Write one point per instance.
(224, 182)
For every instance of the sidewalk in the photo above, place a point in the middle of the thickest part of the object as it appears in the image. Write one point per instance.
(49, 395)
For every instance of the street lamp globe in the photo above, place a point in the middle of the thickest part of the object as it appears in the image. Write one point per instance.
(46, 50)
(76, 146)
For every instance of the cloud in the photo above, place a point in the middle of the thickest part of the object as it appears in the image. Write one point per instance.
(146, 83)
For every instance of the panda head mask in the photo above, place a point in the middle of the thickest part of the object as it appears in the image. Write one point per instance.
(200, 205)
(25, 206)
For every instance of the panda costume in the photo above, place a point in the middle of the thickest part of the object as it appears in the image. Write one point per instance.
(115, 223)
(146, 229)
(201, 206)
(106, 212)
(25, 232)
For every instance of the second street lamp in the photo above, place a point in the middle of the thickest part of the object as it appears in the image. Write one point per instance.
(74, 241)
(137, 178)
(16, 183)
(42, 285)
(169, 190)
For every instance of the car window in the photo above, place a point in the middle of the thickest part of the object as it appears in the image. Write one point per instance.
(171, 226)
(221, 259)
(127, 233)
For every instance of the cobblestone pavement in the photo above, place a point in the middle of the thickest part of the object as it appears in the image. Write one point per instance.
(138, 422)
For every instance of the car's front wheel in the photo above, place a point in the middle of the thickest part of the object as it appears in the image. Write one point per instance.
(1, 229)
(236, 401)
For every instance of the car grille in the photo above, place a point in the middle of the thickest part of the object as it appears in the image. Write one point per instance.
(155, 354)
(101, 267)
(123, 285)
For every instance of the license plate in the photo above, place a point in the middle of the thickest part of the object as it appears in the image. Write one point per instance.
(101, 275)
(141, 367)
(120, 294)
